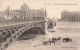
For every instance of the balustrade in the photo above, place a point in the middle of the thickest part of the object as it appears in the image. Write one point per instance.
(11, 21)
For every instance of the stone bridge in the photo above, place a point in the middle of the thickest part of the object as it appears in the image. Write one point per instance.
(10, 32)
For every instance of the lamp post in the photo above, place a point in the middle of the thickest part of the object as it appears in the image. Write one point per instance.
(45, 20)
(45, 11)
(46, 24)
(7, 14)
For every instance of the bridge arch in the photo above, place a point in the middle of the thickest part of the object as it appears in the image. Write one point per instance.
(34, 30)
(39, 28)
(31, 33)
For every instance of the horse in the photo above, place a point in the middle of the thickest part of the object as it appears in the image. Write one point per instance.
(67, 40)
(54, 40)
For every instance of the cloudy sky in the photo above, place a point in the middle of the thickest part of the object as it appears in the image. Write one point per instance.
(53, 7)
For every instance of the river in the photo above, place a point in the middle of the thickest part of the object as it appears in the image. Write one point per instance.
(35, 42)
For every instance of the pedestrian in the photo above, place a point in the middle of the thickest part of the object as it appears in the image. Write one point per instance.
(50, 41)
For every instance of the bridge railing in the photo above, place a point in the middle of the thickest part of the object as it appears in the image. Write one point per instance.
(17, 21)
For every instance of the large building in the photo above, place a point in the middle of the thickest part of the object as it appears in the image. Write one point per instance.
(69, 23)
(23, 13)
(70, 16)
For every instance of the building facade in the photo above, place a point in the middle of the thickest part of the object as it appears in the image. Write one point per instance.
(70, 16)
(69, 23)
(23, 13)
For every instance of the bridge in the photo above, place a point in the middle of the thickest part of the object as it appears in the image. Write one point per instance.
(11, 29)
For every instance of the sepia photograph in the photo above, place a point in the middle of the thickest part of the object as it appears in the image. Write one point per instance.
(39, 24)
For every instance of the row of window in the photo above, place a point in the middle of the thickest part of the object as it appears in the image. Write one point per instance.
(26, 15)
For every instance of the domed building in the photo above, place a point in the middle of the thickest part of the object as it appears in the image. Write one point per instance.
(24, 13)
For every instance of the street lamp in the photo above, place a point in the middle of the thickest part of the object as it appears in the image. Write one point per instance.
(45, 20)
(45, 10)
(7, 11)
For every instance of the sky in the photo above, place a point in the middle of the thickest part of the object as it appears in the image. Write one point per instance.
(53, 7)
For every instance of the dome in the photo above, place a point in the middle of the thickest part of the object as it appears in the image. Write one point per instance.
(25, 7)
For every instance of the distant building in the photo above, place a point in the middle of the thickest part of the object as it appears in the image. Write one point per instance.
(70, 16)
(69, 22)
(23, 13)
